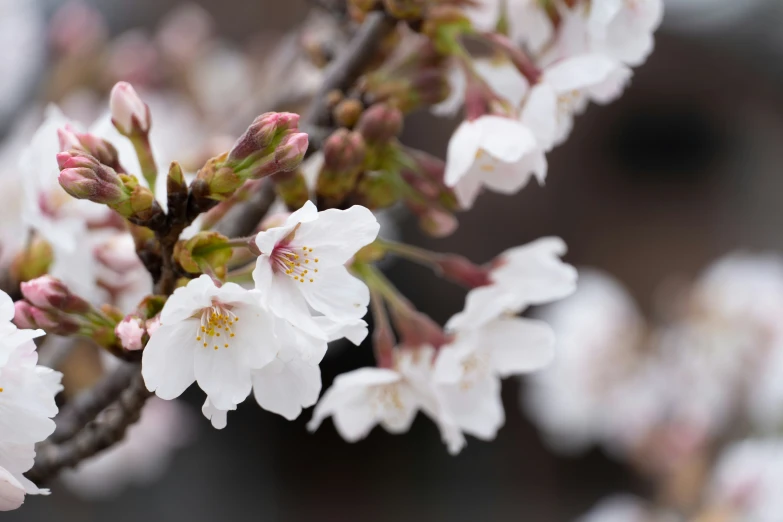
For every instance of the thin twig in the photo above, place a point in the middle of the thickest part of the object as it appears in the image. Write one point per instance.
(104, 432)
(87, 405)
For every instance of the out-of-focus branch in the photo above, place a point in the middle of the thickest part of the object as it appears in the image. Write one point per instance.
(341, 74)
(105, 431)
(87, 405)
(346, 68)
(243, 218)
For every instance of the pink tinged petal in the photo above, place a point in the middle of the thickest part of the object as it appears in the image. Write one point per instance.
(337, 235)
(518, 345)
(477, 409)
(267, 240)
(218, 418)
(463, 147)
(6, 307)
(11, 491)
(167, 363)
(337, 294)
(287, 387)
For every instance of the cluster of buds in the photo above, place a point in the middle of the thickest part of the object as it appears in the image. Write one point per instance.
(271, 144)
(344, 156)
(83, 176)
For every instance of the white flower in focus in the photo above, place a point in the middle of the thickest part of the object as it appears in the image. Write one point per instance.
(597, 331)
(526, 275)
(564, 90)
(746, 480)
(499, 153)
(214, 336)
(11, 491)
(141, 457)
(302, 265)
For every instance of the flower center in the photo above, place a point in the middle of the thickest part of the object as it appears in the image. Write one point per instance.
(387, 398)
(475, 368)
(295, 261)
(217, 326)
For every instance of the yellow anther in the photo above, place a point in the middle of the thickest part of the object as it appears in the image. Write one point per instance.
(216, 347)
(307, 261)
(316, 270)
(232, 335)
(311, 280)
(205, 345)
(225, 345)
(316, 259)
(198, 337)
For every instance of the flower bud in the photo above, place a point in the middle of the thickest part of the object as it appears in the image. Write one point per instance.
(84, 177)
(130, 331)
(97, 147)
(376, 191)
(347, 112)
(204, 247)
(266, 131)
(47, 293)
(462, 271)
(417, 329)
(129, 113)
(438, 223)
(291, 152)
(344, 150)
(380, 123)
(28, 316)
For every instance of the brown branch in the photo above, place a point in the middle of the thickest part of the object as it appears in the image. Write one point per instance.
(341, 74)
(88, 404)
(104, 432)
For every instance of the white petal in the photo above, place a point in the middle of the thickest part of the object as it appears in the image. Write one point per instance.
(338, 234)
(307, 213)
(6, 308)
(187, 300)
(287, 387)
(518, 345)
(222, 376)
(463, 147)
(540, 114)
(580, 72)
(267, 240)
(355, 331)
(477, 409)
(218, 417)
(167, 364)
(505, 139)
(337, 294)
(11, 491)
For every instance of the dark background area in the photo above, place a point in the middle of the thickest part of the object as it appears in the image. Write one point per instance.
(684, 168)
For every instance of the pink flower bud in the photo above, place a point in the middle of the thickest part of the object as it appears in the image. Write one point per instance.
(438, 223)
(47, 293)
(28, 316)
(23, 316)
(291, 151)
(131, 332)
(84, 177)
(128, 113)
(380, 123)
(265, 132)
(97, 147)
(461, 270)
(152, 325)
(344, 151)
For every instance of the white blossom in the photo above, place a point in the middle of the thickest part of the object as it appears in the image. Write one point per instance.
(625, 508)
(302, 265)
(499, 153)
(212, 335)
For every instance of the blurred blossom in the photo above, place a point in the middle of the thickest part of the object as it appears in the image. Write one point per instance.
(746, 483)
(141, 458)
(625, 508)
(21, 28)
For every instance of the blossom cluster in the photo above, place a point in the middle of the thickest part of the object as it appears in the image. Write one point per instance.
(166, 237)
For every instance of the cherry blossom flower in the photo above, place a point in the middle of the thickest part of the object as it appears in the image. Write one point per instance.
(302, 263)
(212, 335)
(746, 480)
(141, 457)
(625, 508)
(530, 274)
(499, 153)
(528, 22)
(361, 399)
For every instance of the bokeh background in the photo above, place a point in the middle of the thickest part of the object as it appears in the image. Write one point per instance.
(685, 167)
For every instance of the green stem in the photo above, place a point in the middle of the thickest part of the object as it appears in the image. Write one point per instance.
(410, 252)
(143, 149)
(377, 282)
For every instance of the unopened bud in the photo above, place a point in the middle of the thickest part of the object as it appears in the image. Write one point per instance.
(129, 113)
(405, 9)
(291, 151)
(380, 123)
(418, 329)
(376, 191)
(27, 315)
(90, 144)
(462, 271)
(438, 223)
(131, 332)
(344, 150)
(152, 324)
(347, 112)
(204, 247)
(34, 261)
(266, 132)
(176, 187)
(84, 177)
(47, 293)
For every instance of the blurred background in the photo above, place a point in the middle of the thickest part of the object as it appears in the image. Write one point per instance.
(684, 168)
